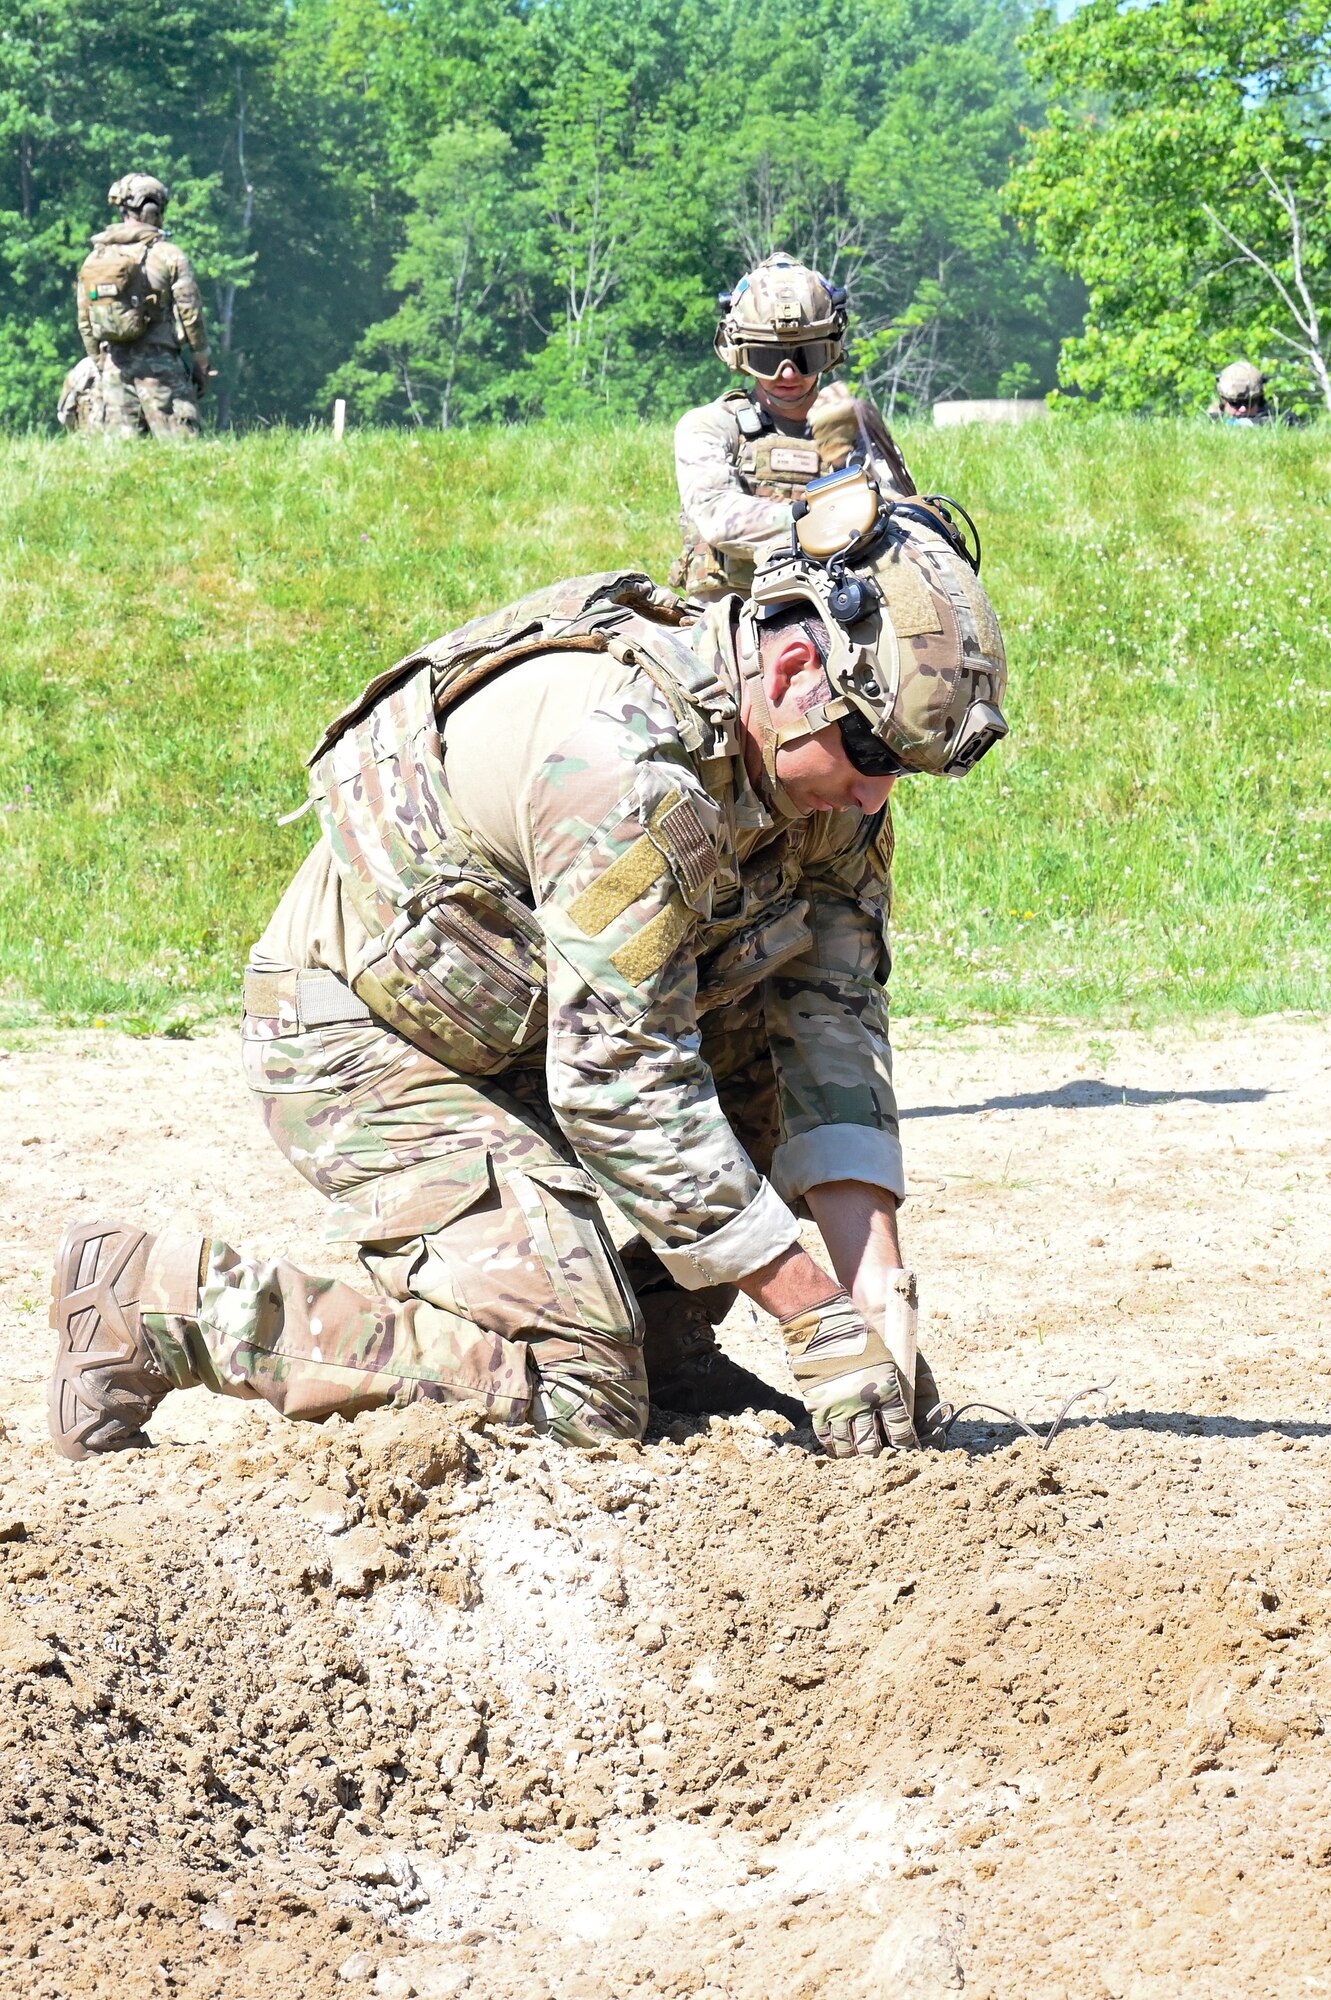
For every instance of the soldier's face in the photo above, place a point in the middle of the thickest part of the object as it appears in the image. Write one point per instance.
(819, 777)
(787, 393)
(817, 774)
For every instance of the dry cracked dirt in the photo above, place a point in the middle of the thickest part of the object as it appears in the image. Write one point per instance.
(409, 1706)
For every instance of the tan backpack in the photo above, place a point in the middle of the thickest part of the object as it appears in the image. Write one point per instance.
(122, 304)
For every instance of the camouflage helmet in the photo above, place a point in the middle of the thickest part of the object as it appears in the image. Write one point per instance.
(1241, 382)
(782, 310)
(137, 190)
(916, 667)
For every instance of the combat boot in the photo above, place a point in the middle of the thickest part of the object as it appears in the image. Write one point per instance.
(686, 1370)
(108, 1380)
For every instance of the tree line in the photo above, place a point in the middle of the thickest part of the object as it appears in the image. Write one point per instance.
(457, 210)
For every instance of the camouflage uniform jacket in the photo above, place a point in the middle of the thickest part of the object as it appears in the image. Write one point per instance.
(172, 276)
(660, 887)
(739, 468)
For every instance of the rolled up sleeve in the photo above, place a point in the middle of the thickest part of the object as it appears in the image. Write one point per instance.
(828, 1026)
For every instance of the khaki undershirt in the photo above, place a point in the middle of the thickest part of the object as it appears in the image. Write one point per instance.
(495, 742)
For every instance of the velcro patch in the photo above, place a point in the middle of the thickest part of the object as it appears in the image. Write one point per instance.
(676, 821)
(795, 458)
(623, 882)
(909, 601)
(655, 945)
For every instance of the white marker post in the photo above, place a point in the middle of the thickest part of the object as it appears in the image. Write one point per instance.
(339, 418)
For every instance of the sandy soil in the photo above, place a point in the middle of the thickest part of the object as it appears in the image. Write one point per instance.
(408, 1706)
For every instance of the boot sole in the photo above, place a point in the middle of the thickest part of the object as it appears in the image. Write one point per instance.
(80, 1297)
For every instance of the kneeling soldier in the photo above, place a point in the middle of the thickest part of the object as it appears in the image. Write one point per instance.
(598, 908)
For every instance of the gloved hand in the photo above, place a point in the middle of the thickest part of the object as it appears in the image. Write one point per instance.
(835, 423)
(848, 1380)
(199, 371)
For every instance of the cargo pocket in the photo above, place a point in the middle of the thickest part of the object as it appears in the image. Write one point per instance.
(413, 1202)
(463, 978)
(559, 1203)
(753, 955)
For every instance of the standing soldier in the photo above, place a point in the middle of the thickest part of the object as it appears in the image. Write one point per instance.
(598, 908)
(743, 460)
(141, 318)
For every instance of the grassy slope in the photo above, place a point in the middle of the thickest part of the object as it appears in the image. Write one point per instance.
(1153, 840)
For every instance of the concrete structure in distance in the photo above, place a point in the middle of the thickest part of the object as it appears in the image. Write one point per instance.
(992, 410)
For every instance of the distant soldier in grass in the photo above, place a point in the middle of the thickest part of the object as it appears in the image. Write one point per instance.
(598, 909)
(79, 408)
(141, 318)
(1240, 396)
(743, 460)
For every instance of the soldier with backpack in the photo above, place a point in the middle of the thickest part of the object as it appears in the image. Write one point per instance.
(141, 318)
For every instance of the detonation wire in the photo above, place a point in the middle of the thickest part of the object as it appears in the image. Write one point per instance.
(942, 1417)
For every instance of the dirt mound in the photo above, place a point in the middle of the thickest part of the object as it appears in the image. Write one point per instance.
(340, 1657)
(412, 1706)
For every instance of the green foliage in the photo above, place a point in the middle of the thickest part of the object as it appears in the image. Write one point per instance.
(454, 209)
(1188, 142)
(1153, 840)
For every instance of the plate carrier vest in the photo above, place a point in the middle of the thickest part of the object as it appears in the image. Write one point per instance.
(457, 961)
(771, 466)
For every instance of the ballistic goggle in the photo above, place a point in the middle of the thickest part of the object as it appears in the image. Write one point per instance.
(766, 358)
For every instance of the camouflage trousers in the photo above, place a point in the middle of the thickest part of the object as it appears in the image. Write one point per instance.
(492, 1278)
(145, 390)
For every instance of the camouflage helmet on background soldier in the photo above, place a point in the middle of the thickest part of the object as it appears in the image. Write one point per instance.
(782, 311)
(915, 662)
(138, 191)
(1242, 382)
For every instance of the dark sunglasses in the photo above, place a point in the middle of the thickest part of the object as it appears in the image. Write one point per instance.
(809, 358)
(869, 754)
(983, 725)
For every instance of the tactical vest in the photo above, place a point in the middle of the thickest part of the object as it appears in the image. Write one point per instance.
(771, 466)
(457, 960)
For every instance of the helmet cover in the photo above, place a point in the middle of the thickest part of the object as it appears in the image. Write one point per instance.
(915, 644)
(785, 304)
(135, 190)
(1241, 382)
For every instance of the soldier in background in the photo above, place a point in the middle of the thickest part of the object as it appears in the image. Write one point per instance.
(141, 318)
(742, 460)
(79, 408)
(1240, 392)
(598, 909)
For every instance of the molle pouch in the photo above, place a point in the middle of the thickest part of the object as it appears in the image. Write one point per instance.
(700, 567)
(462, 975)
(752, 955)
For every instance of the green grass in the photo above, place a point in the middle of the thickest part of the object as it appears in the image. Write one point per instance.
(1153, 841)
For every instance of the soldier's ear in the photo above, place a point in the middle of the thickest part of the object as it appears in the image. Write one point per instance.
(793, 667)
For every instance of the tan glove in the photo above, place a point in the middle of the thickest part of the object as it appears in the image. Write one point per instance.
(835, 423)
(849, 1381)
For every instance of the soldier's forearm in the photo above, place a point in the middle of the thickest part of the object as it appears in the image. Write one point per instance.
(858, 1223)
(791, 1283)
